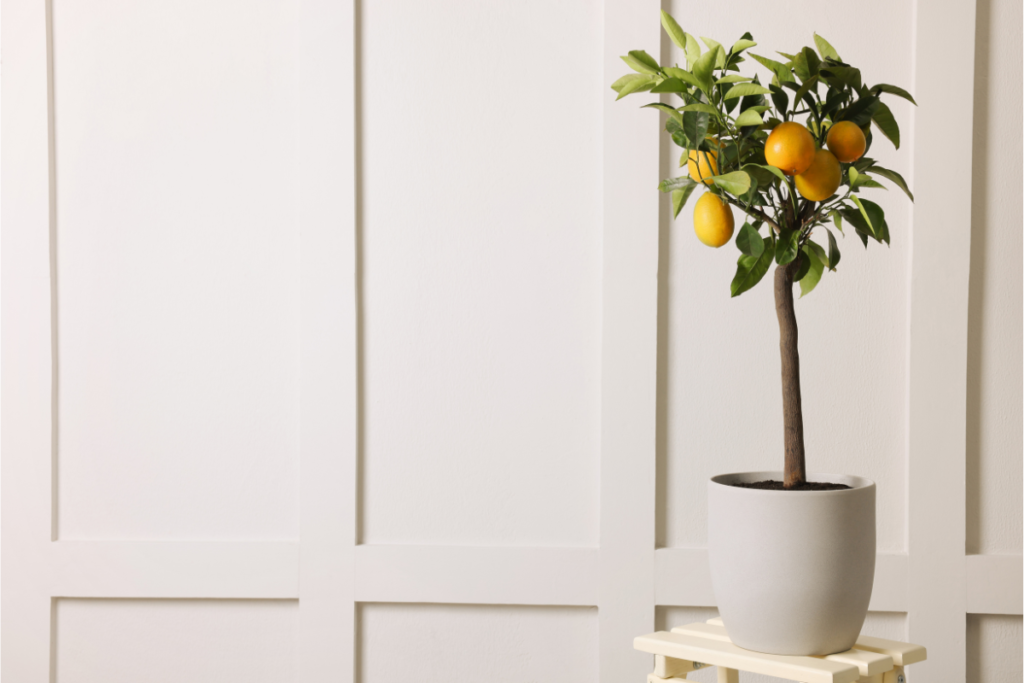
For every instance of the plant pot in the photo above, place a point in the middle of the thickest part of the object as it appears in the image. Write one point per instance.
(792, 570)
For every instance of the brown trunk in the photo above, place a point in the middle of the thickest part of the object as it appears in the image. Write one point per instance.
(792, 410)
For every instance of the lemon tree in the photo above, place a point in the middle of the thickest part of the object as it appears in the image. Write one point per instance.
(787, 146)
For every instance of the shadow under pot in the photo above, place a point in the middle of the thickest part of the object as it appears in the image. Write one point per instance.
(792, 570)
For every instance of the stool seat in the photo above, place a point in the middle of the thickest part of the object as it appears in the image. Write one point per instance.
(694, 646)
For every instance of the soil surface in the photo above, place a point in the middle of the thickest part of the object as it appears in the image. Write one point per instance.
(773, 485)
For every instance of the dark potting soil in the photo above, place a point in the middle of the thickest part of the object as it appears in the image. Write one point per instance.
(773, 485)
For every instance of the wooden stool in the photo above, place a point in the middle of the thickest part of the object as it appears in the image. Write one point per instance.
(688, 648)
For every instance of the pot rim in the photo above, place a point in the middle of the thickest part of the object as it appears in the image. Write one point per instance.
(855, 483)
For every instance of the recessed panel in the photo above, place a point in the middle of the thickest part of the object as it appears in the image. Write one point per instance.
(721, 395)
(994, 651)
(177, 268)
(480, 187)
(995, 321)
(890, 625)
(199, 641)
(498, 644)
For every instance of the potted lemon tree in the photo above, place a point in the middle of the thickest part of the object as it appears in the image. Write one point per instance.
(792, 553)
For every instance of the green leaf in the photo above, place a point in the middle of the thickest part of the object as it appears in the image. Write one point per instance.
(800, 68)
(886, 123)
(673, 30)
(671, 111)
(853, 174)
(833, 250)
(760, 174)
(777, 172)
(716, 47)
(680, 196)
(683, 75)
(894, 177)
(788, 248)
(695, 126)
(869, 221)
(751, 117)
(741, 45)
(670, 85)
(692, 50)
(804, 89)
(749, 241)
(826, 50)
(637, 85)
(750, 269)
(863, 211)
(809, 281)
(813, 63)
(745, 89)
(802, 269)
(700, 106)
(838, 220)
(618, 85)
(703, 69)
(640, 61)
(781, 71)
(839, 76)
(860, 111)
(735, 183)
(893, 90)
(733, 78)
(780, 99)
(672, 184)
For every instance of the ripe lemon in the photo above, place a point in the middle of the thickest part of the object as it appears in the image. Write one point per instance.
(708, 166)
(846, 140)
(822, 179)
(790, 147)
(712, 220)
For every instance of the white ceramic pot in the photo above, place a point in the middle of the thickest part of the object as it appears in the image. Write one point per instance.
(792, 570)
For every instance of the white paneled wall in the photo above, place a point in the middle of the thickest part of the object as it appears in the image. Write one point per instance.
(350, 340)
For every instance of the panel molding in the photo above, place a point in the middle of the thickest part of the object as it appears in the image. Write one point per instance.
(629, 345)
(937, 349)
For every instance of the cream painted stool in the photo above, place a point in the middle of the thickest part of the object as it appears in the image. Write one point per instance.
(688, 648)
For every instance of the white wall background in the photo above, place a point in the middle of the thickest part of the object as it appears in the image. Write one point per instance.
(328, 323)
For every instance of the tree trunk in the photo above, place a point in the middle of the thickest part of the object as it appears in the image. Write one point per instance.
(792, 410)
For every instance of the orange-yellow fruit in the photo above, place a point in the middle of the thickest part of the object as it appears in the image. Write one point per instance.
(821, 180)
(846, 140)
(790, 147)
(712, 220)
(708, 166)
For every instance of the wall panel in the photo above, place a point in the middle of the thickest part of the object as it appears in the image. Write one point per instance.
(484, 642)
(994, 342)
(481, 254)
(176, 283)
(994, 648)
(200, 641)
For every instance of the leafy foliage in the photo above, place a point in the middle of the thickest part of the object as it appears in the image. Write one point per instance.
(731, 113)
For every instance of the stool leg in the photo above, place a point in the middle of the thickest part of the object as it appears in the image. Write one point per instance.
(728, 675)
(895, 676)
(669, 667)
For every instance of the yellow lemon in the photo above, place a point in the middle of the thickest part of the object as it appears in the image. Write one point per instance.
(708, 166)
(790, 147)
(846, 140)
(712, 220)
(821, 180)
